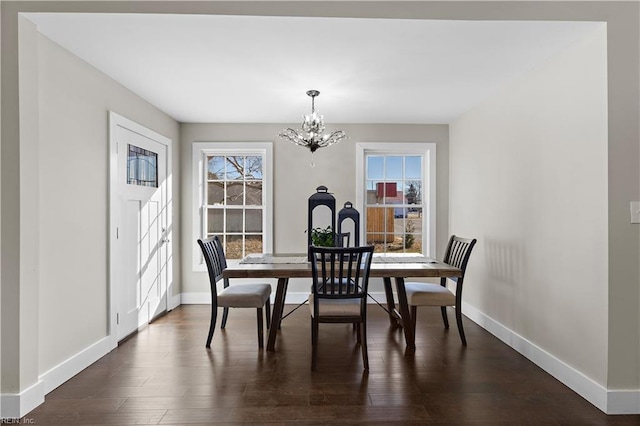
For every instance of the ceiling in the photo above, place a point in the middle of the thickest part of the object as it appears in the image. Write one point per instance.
(256, 69)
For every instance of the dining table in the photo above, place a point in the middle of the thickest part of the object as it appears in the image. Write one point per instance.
(283, 266)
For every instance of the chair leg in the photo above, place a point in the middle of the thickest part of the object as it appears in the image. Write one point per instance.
(414, 316)
(212, 324)
(260, 329)
(363, 343)
(445, 319)
(314, 343)
(460, 328)
(225, 315)
(267, 308)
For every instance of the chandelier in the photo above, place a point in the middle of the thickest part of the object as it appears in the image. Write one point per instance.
(312, 135)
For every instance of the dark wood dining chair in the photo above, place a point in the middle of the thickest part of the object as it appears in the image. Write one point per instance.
(340, 279)
(424, 294)
(232, 296)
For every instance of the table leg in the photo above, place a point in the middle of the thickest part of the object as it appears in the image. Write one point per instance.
(404, 312)
(391, 305)
(276, 316)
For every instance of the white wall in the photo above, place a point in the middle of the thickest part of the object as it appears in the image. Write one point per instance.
(529, 180)
(74, 102)
(295, 181)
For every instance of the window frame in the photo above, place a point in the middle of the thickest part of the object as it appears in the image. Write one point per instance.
(428, 152)
(200, 152)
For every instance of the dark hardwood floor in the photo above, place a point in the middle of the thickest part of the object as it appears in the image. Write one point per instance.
(164, 375)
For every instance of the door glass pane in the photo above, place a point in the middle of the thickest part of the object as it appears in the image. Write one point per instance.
(215, 221)
(215, 193)
(142, 167)
(235, 193)
(253, 220)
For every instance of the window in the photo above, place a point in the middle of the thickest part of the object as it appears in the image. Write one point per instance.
(397, 197)
(233, 184)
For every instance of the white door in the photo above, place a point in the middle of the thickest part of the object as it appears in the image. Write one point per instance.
(139, 261)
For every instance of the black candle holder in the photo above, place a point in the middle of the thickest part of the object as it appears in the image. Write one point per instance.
(322, 197)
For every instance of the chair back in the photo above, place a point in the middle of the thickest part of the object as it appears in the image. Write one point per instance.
(216, 262)
(457, 254)
(340, 272)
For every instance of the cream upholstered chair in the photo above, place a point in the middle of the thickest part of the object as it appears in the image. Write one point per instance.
(232, 296)
(339, 291)
(423, 294)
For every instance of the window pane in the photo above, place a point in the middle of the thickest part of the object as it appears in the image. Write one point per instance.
(377, 241)
(233, 248)
(215, 193)
(253, 220)
(414, 192)
(415, 214)
(413, 243)
(235, 193)
(253, 168)
(235, 167)
(375, 167)
(393, 169)
(234, 220)
(413, 167)
(215, 221)
(380, 219)
(215, 168)
(253, 244)
(254, 194)
(387, 193)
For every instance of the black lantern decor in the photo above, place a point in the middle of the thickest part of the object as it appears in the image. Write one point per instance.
(321, 198)
(348, 212)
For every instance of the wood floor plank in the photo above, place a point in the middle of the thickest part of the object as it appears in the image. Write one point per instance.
(164, 375)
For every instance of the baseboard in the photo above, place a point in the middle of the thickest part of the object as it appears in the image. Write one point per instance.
(623, 402)
(292, 298)
(174, 302)
(195, 298)
(608, 401)
(15, 406)
(72, 366)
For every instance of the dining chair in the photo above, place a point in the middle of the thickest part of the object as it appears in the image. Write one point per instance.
(340, 279)
(232, 296)
(424, 294)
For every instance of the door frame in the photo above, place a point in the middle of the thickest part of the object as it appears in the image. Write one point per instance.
(115, 121)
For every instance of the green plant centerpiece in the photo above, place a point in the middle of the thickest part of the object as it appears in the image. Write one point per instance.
(323, 237)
